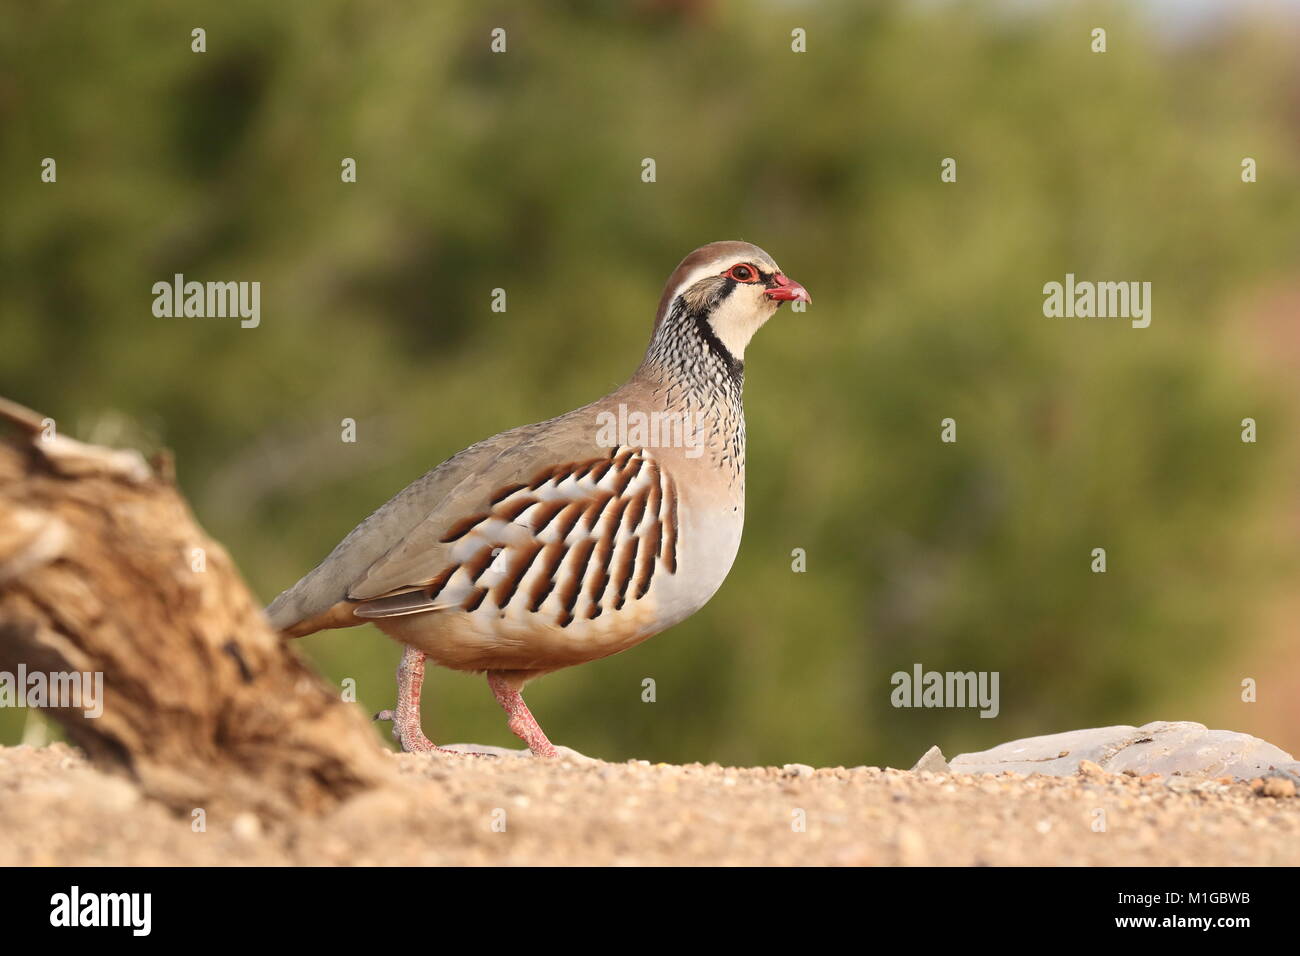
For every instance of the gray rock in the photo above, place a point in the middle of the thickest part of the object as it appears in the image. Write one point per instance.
(1164, 747)
(933, 761)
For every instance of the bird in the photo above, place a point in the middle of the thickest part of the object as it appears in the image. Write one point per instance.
(566, 541)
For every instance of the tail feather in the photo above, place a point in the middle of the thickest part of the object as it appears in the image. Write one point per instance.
(290, 622)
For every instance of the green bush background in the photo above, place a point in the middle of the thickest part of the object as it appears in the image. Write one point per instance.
(522, 171)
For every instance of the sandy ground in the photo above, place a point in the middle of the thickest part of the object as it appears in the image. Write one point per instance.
(56, 809)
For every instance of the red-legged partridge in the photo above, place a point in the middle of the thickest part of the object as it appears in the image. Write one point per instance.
(575, 538)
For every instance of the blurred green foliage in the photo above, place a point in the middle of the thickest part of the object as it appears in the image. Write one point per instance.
(522, 171)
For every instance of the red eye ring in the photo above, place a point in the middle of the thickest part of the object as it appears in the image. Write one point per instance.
(742, 272)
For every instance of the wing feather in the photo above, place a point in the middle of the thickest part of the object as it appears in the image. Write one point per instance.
(497, 524)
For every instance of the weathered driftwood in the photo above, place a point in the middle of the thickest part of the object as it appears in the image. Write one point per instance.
(103, 569)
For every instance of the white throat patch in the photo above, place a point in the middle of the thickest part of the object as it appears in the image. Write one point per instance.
(735, 321)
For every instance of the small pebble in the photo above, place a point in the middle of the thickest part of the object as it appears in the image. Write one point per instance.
(1279, 787)
(246, 827)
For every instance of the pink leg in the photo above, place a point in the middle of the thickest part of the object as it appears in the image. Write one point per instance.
(406, 718)
(522, 723)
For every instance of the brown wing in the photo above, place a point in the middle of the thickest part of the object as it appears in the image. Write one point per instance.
(571, 540)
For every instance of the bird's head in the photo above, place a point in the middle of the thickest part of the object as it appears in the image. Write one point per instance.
(731, 289)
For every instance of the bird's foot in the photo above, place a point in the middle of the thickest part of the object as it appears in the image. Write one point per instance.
(406, 716)
(522, 723)
(410, 737)
(407, 732)
(531, 733)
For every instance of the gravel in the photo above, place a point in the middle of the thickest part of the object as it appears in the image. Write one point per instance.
(450, 810)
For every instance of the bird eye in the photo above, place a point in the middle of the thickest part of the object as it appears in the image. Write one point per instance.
(742, 273)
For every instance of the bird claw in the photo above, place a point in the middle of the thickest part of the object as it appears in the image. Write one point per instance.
(419, 743)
